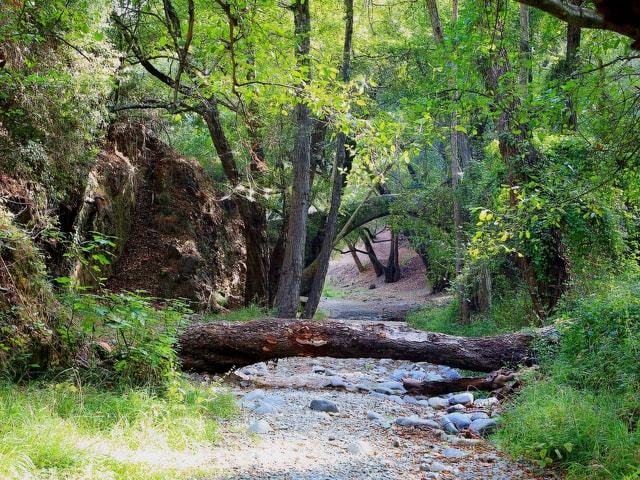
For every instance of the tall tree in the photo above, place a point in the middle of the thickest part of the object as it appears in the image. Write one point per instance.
(288, 294)
(342, 153)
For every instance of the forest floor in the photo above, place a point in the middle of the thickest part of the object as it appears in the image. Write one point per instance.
(362, 295)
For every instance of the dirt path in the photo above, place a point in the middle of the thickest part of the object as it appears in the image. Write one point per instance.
(372, 428)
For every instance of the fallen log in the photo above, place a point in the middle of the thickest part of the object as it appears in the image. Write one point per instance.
(220, 346)
(493, 381)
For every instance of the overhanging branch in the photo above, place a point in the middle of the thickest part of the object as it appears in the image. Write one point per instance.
(608, 16)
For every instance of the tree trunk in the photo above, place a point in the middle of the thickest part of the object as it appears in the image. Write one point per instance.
(356, 259)
(288, 294)
(337, 179)
(378, 267)
(493, 381)
(392, 270)
(221, 346)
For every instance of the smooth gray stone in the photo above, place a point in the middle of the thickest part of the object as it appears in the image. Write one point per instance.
(273, 400)
(418, 375)
(318, 369)
(461, 398)
(323, 406)
(265, 408)
(416, 422)
(434, 377)
(459, 420)
(329, 373)
(438, 403)
(255, 395)
(261, 426)
(483, 426)
(451, 452)
(478, 415)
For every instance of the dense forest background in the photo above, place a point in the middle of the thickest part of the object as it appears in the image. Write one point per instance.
(500, 139)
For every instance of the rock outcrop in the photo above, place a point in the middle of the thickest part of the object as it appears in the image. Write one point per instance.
(172, 236)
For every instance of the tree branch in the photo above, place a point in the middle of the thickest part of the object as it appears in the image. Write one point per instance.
(589, 18)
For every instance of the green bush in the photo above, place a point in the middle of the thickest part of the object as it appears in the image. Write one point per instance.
(585, 414)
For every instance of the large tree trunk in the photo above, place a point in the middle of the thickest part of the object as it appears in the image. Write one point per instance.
(221, 346)
(288, 294)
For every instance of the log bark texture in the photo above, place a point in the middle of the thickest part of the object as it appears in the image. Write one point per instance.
(220, 346)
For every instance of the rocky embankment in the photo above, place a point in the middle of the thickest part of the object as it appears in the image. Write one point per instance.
(344, 419)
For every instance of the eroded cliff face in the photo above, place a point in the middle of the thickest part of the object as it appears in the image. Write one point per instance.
(173, 237)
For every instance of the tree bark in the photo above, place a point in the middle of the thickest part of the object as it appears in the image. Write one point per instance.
(377, 265)
(288, 294)
(392, 270)
(220, 346)
(493, 381)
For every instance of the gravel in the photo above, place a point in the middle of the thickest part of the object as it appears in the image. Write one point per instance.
(295, 423)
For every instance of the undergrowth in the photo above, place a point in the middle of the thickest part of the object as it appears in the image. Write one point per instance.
(585, 414)
(68, 429)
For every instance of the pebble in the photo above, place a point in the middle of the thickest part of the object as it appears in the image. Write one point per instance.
(372, 436)
(323, 406)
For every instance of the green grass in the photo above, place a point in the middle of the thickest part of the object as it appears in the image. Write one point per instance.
(444, 319)
(66, 430)
(556, 423)
(585, 414)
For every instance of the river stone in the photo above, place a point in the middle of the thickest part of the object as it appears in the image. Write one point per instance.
(261, 426)
(265, 408)
(323, 406)
(318, 369)
(360, 448)
(451, 452)
(338, 382)
(438, 403)
(393, 385)
(459, 420)
(255, 395)
(461, 398)
(415, 421)
(483, 426)
(477, 415)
